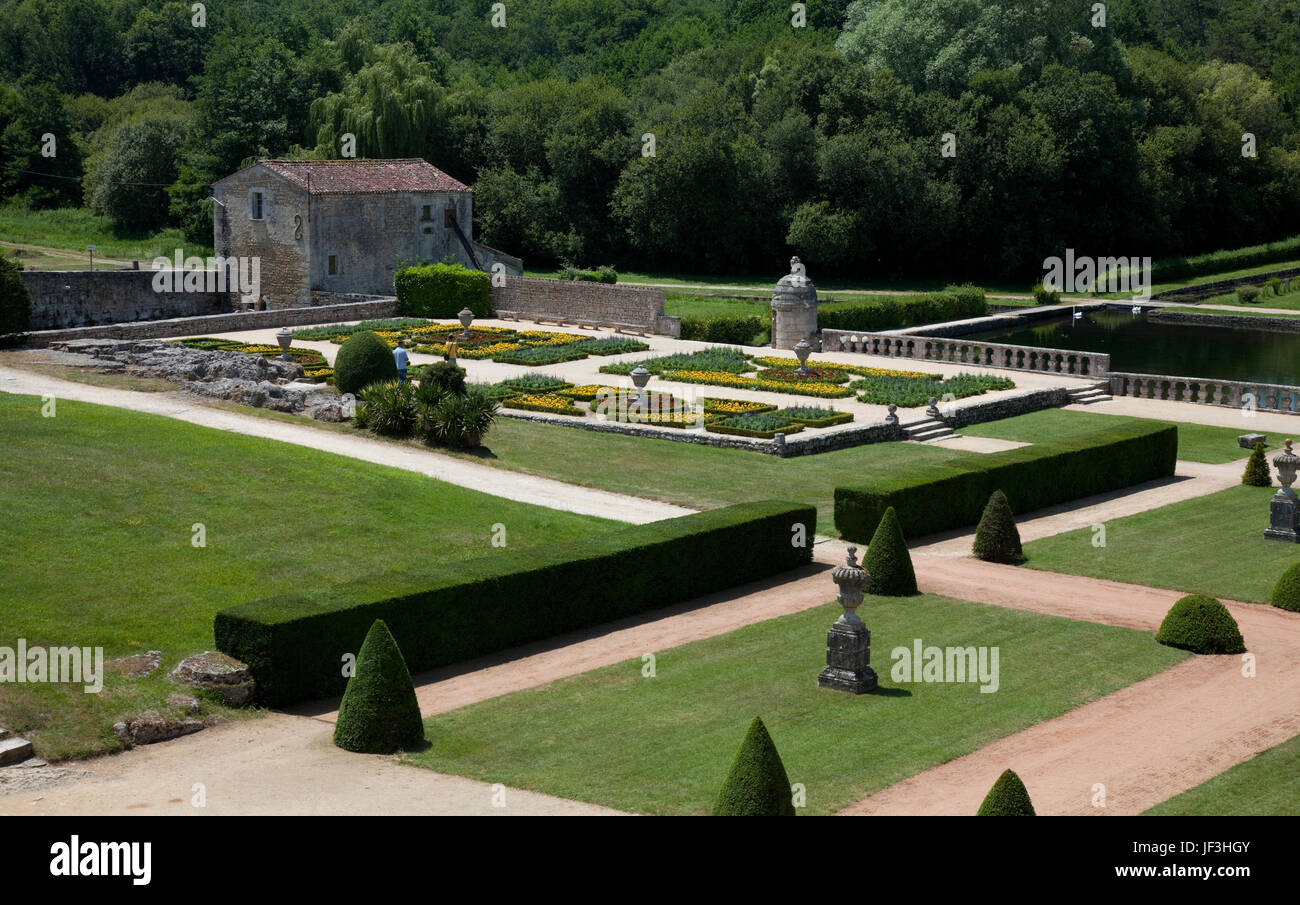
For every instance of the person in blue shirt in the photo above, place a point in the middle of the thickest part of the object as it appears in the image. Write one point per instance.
(402, 358)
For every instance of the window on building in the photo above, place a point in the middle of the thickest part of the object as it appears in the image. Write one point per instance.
(332, 265)
(449, 217)
(256, 204)
(426, 212)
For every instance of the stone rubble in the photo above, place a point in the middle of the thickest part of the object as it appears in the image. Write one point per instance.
(218, 672)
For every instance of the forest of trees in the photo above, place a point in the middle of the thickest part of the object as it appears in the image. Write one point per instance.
(823, 140)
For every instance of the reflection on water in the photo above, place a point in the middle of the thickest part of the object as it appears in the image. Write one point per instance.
(1140, 346)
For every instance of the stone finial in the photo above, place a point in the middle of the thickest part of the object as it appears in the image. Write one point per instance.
(794, 264)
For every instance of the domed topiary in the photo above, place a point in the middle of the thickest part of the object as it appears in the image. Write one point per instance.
(1256, 473)
(996, 538)
(887, 560)
(1286, 593)
(363, 359)
(1202, 625)
(757, 784)
(379, 713)
(1007, 798)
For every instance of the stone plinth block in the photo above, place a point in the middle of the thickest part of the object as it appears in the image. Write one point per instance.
(1248, 441)
(1284, 516)
(848, 653)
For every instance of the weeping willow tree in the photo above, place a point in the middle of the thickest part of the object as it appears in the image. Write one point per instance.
(390, 105)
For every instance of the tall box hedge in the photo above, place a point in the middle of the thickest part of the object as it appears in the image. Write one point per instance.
(441, 291)
(937, 497)
(953, 303)
(295, 642)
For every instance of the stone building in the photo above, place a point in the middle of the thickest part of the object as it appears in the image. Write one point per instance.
(323, 228)
(794, 309)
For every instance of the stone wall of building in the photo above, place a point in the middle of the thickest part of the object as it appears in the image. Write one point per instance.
(75, 298)
(280, 239)
(578, 302)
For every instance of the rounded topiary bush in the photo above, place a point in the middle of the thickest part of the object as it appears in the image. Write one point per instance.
(887, 560)
(1203, 625)
(363, 359)
(1256, 473)
(1286, 593)
(1007, 798)
(441, 378)
(996, 538)
(379, 713)
(757, 784)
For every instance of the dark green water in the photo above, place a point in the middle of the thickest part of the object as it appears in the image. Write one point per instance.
(1139, 346)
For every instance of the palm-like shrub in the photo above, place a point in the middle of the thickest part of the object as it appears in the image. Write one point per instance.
(363, 359)
(388, 408)
(458, 421)
(1286, 593)
(1256, 473)
(1202, 625)
(757, 784)
(996, 538)
(1007, 798)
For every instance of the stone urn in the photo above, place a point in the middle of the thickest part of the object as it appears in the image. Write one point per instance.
(848, 643)
(1284, 508)
(466, 318)
(285, 338)
(640, 377)
(802, 349)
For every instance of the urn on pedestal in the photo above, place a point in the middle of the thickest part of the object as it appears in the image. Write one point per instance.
(1284, 508)
(848, 643)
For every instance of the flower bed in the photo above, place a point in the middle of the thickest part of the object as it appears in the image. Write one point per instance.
(729, 407)
(764, 425)
(585, 393)
(658, 419)
(911, 392)
(731, 361)
(533, 356)
(723, 379)
(773, 362)
(818, 374)
(814, 416)
(550, 403)
(535, 383)
(611, 345)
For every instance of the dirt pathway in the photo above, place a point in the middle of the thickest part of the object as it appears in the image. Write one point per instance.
(277, 765)
(516, 486)
(1140, 745)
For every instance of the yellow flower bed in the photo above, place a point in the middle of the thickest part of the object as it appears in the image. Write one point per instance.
(551, 403)
(725, 379)
(735, 406)
(548, 338)
(774, 362)
(587, 392)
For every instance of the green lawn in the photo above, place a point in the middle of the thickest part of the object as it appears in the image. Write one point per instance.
(1267, 785)
(662, 745)
(1244, 312)
(1196, 442)
(1287, 300)
(75, 228)
(1209, 545)
(99, 508)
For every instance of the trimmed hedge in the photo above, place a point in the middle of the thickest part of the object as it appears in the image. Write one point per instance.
(936, 497)
(294, 642)
(1286, 593)
(996, 538)
(1202, 625)
(757, 784)
(363, 359)
(954, 303)
(736, 331)
(379, 713)
(1007, 798)
(442, 290)
(15, 300)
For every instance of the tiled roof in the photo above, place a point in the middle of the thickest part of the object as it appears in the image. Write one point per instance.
(364, 177)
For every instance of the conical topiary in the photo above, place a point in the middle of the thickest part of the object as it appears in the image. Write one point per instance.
(996, 538)
(1256, 473)
(1202, 625)
(1007, 798)
(379, 713)
(1286, 593)
(757, 784)
(363, 359)
(887, 560)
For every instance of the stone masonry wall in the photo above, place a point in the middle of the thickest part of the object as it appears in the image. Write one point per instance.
(281, 239)
(577, 302)
(224, 323)
(75, 298)
(1007, 407)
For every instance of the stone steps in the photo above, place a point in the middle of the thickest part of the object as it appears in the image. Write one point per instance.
(1090, 395)
(928, 430)
(13, 749)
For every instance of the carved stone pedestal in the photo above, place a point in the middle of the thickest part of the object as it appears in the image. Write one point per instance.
(1284, 516)
(848, 653)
